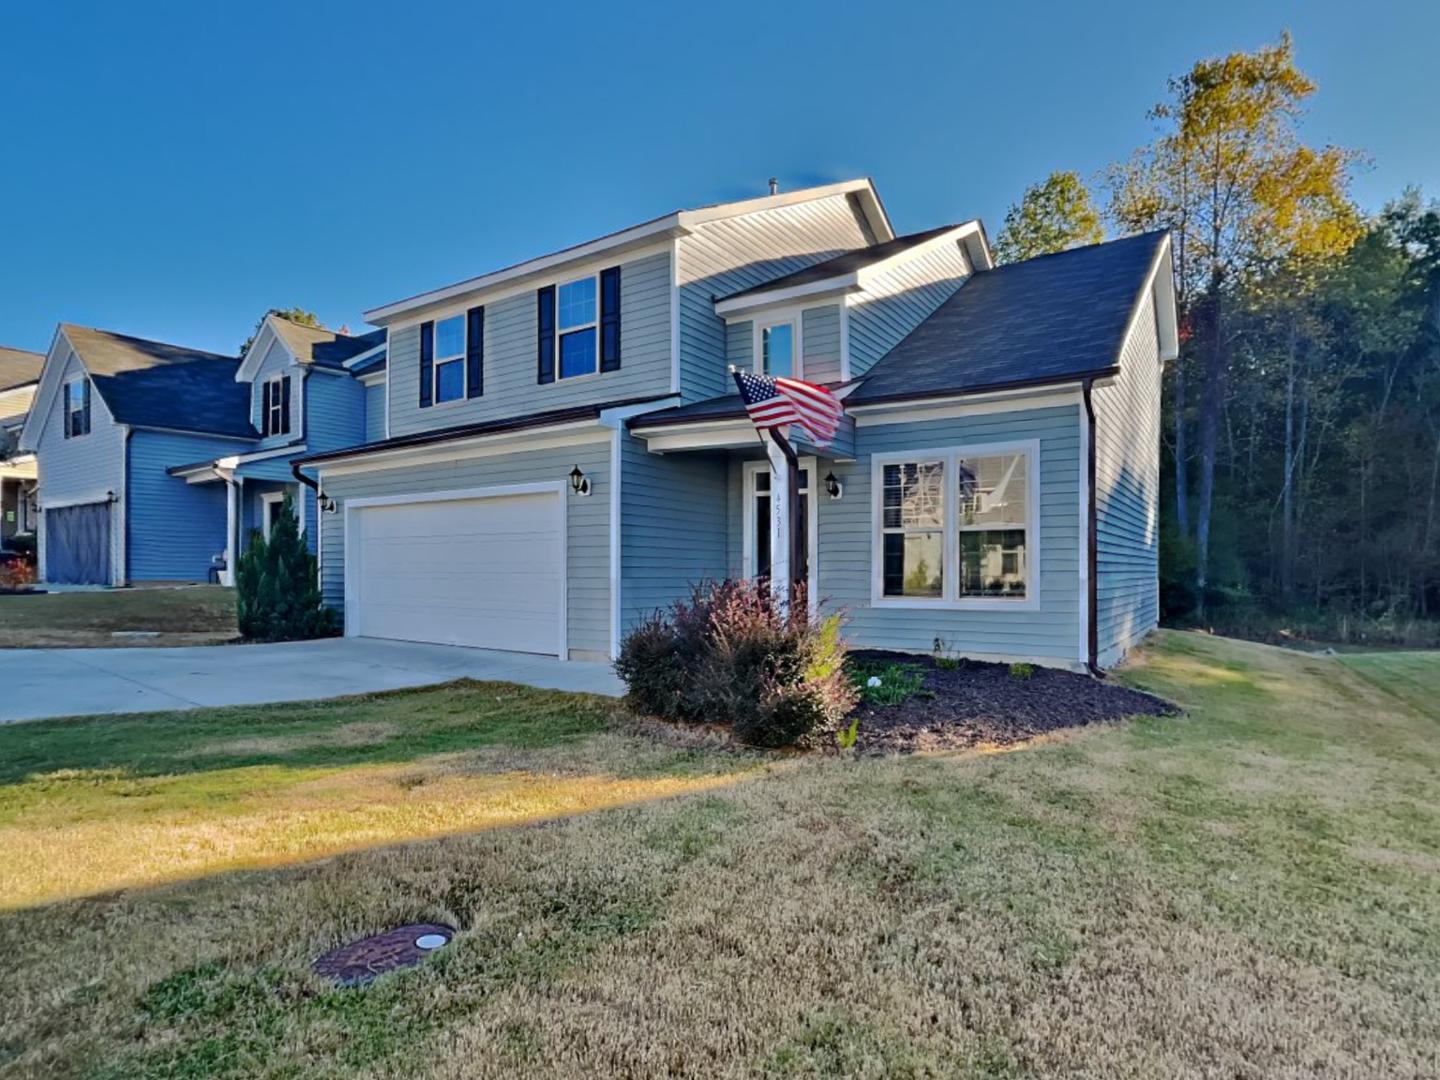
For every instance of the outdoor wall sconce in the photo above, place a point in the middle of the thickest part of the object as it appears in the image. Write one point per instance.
(579, 482)
(833, 487)
(325, 502)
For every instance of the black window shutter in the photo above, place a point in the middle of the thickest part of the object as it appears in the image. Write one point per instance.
(475, 352)
(285, 405)
(427, 363)
(86, 429)
(265, 408)
(545, 336)
(610, 319)
(69, 412)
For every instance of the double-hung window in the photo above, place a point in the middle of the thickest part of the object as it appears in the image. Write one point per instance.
(77, 408)
(275, 406)
(957, 526)
(577, 312)
(449, 370)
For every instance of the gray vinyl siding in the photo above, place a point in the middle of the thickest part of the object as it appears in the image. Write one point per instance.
(1127, 494)
(276, 361)
(511, 388)
(821, 343)
(672, 526)
(899, 300)
(739, 347)
(587, 522)
(375, 411)
(89, 468)
(723, 257)
(1050, 634)
(174, 528)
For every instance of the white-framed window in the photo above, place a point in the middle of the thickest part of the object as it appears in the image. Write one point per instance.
(957, 526)
(777, 345)
(275, 406)
(577, 327)
(449, 368)
(77, 407)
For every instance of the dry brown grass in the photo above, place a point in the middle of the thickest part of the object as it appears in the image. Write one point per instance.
(1131, 902)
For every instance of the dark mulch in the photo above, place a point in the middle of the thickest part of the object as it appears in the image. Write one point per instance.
(978, 704)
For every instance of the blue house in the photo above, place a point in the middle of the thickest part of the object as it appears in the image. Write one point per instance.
(561, 450)
(115, 418)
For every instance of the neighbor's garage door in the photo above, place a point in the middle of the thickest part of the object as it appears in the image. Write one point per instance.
(77, 544)
(480, 572)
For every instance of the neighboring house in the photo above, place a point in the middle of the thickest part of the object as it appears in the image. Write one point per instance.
(563, 451)
(19, 376)
(310, 390)
(111, 412)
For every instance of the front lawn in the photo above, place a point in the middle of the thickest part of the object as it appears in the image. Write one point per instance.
(198, 615)
(1247, 890)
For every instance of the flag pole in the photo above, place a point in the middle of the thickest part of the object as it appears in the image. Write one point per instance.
(797, 540)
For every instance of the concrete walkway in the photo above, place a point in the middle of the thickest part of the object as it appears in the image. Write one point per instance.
(37, 683)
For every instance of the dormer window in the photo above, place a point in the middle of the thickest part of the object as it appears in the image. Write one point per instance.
(578, 324)
(275, 406)
(77, 408)
(449, 359)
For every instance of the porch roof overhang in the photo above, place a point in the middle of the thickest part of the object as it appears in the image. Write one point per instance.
(723, 424)
(19, 468)
(214, 470)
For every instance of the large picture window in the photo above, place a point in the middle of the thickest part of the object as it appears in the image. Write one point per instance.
(449, 359)
(957, 526)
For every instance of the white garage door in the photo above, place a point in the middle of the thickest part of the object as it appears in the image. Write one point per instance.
(480, 572)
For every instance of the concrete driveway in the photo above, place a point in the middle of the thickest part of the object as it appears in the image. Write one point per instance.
(37, 683)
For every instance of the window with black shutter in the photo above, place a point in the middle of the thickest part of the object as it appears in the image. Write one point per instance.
(475, 352)
(545, 334)
(427, 363)
(610, 319)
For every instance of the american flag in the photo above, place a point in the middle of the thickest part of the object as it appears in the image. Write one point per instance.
(778, 402)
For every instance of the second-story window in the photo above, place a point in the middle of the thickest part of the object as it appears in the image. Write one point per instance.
(450, 359)
(577, 305)
(77, 408)
(777, 349)
(275, 406)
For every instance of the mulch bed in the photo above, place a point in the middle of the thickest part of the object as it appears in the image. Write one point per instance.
(980, 704)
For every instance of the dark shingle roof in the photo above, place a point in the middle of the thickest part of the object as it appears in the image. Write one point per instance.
(153, 384)
(19, 367)
(845, 263)
(315, 344)
(1048, 319)
(725, 407)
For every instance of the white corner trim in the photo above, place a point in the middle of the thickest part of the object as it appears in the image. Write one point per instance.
(675, 315)
(845, 344)
(950, 600)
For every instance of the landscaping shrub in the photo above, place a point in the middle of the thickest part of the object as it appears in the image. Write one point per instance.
(16, 572)
(277, 595)
(729, 656)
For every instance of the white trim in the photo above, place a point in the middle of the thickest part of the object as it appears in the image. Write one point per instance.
(860, 278)
(82, 380)
(675, 316)
(480, 446)
(748, 471)
(255, 355)
(368, 354)
(845, 344)
(668, 227)
(795, 319)
(81, 500)
(556, 488)
(736, 433)
(950, 600)
(120, 515)
(436, 360)
(372, 378)
(275, 498)
(579, 328)
(906, 412)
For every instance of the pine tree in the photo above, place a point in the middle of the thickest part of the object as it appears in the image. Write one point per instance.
(278, 586)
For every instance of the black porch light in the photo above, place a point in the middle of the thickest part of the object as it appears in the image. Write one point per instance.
(579, 482)
(832, 486)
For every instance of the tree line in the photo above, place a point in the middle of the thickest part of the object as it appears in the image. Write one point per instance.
(1302, 419)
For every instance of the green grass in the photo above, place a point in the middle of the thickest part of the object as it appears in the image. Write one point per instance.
(201, 613)
(898, 683)
(1245, 890)
(1412, 677)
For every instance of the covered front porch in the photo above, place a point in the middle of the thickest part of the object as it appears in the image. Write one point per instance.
(256, 486)
(18, 514)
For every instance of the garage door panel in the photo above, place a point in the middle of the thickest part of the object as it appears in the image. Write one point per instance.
(484, 572)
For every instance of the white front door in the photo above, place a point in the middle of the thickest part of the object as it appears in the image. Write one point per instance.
(487, 572)
(756, 545)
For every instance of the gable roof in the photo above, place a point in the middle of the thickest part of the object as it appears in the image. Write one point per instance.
(845, 268)
(154, 384)
(317, 345)
(676, 223)
(1048, 319)
(19, 367)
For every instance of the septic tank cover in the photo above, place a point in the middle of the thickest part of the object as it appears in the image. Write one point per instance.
(361, 961)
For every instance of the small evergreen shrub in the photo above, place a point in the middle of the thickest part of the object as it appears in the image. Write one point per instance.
(277, 586)
(728, 656)
(1021, 670)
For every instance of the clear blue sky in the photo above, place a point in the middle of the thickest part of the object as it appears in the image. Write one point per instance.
(173, 170)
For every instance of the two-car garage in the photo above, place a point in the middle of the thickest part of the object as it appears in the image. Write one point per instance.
(483, 568)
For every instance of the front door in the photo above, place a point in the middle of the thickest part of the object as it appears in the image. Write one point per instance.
(757, 521)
